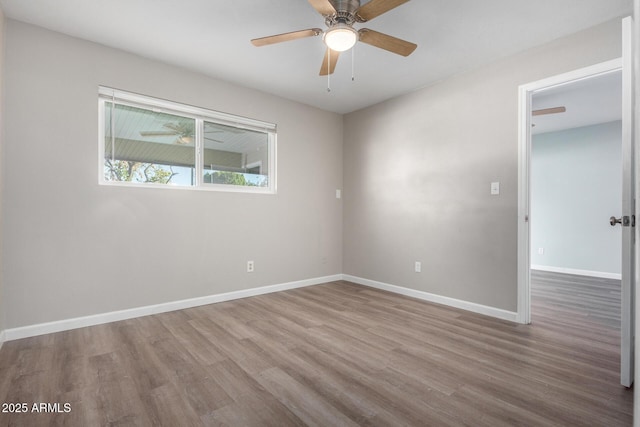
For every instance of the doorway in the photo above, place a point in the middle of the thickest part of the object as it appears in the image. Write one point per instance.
(576, 185)
(576, 177)
(527, 94)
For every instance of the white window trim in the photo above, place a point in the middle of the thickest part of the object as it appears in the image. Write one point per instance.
(106, 94)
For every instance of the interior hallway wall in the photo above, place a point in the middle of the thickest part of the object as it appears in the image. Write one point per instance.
(576, 185)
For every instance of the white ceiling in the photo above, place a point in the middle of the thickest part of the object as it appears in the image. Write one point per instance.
(212, 37)
(588, 102)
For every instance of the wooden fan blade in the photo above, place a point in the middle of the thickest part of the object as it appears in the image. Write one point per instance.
(158, 133)
(386, 42)
(376, 8)
(544, 111)
(218, 128)
(324, 7)
(285, 37)
(214, 140)
(329, 63)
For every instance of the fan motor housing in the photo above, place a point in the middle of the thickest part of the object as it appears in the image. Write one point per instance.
(345, 13)
(347, 5)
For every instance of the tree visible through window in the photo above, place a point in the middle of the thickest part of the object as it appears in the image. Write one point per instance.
(128, 171)
(160, 143)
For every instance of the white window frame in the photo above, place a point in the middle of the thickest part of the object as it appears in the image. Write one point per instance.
(200, 115)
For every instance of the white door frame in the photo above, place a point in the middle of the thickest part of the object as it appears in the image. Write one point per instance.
(636, 112)
(525, 93)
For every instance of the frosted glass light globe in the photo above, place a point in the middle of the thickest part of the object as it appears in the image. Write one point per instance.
(340, 38)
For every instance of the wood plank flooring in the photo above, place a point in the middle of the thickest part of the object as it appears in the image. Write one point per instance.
(336, 354)
(596, 300)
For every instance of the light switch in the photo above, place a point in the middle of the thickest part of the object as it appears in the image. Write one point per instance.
(495, 188)
(338, 194)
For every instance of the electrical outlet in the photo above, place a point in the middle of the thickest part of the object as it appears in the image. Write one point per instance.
(249, 266)
(418, 267)
(540, 251)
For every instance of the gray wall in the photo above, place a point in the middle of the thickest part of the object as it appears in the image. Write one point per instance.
(418, 170)
(576, 185)
(74, 248)
(2, 298)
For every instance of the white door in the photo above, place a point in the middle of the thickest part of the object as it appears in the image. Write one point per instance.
(627, 220)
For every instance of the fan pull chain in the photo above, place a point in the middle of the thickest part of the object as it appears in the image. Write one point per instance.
(353, 64)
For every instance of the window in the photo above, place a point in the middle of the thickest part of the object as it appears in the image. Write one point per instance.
(150, 142)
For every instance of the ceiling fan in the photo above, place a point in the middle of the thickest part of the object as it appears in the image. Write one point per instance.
(183, 131)
(339, 16)
(545, 111)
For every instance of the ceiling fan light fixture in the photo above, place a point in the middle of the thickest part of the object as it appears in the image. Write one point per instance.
(185, 140)
(340, 37)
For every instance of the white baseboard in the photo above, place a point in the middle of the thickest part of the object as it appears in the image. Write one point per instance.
(114, 316)
(598, 274)
(426, 296)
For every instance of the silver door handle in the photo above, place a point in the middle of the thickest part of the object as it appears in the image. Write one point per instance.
(626, 221)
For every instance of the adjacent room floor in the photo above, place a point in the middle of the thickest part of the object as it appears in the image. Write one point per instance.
(332, 354)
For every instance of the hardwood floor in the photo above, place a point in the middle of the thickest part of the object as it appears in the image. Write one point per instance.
(337, 354)
(594, 300)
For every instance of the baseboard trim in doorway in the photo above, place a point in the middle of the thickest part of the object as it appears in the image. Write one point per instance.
(588, 273)
(114, 316)
(439, 299)
(3, 337)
